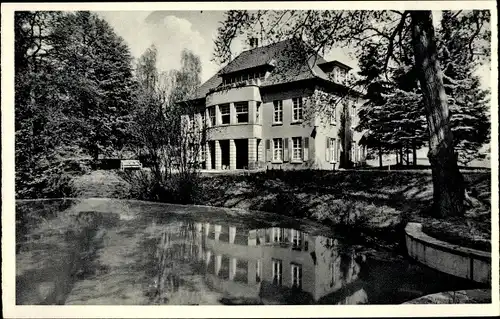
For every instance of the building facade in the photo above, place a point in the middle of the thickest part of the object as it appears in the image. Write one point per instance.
(277, 106)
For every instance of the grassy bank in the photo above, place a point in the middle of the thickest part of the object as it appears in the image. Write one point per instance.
(375, 205)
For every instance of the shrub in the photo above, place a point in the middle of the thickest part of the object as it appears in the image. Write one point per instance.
(176, 188)
(343, 212)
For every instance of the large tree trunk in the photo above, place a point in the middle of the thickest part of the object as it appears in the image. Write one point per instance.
(447, 180)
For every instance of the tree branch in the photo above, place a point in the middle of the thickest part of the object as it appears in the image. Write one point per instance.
(390, 48)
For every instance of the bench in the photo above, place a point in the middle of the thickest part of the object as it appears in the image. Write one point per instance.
(130, 164)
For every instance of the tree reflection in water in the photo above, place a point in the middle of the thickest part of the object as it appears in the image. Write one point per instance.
(176, 247)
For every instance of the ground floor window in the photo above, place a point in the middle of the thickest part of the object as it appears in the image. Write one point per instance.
(277, 271)
(296, 148)
(277, 149)
(332, 274)
(258, 271)
(203, 153)
(333, 145)
(353, 152)
(297, 276)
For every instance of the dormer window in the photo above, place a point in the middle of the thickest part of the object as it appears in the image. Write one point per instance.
(339, 75)
(244, 77)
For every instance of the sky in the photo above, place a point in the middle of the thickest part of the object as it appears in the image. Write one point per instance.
(172, 31)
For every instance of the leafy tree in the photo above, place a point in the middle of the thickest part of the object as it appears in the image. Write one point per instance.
(402, 37)
(73, 81)
(96, 67)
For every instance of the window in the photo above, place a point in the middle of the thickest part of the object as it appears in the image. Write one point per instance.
(277, 149)
(211, 115)
(258, 271)
(297, 109)
(224, 113)
(241, 112)
(332, 274)
(278, 234)
(342, 75)
(333, 115)
(353, 151)
(339, 75)
(203, 153)
(329, 242)
(277, 271)
(332, 150)
(352, 113)
(190, 153)
(191, 122)
(297, 148)
(296, 238)
(297, 276)
(278, 112)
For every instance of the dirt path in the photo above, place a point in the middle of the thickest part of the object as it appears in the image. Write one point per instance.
(101, 183)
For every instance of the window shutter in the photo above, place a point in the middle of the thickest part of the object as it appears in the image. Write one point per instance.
(285, 150)
(339, 149)
(327, 153)
(268, 150)
(306, 148)
(334, 150)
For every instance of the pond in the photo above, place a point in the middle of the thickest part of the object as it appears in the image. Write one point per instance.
(118, 252)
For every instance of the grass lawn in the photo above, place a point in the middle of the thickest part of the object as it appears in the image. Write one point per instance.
(376, 204)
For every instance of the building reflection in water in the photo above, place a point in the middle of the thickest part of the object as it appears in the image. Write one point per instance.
(275, 265)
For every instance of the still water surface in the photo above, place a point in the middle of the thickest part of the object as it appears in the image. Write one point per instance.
(105, 252)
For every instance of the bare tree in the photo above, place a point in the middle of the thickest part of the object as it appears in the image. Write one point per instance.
(167, 136)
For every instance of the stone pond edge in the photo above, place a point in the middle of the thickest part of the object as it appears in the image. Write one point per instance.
(452, 259)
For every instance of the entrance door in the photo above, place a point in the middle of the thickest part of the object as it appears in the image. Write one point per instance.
(241, 154)
(224, 150)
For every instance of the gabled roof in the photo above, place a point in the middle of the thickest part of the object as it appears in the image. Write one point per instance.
(264, 55)
(328, 64)
(290, 59)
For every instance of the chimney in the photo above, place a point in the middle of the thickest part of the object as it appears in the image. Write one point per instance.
(254, 43)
